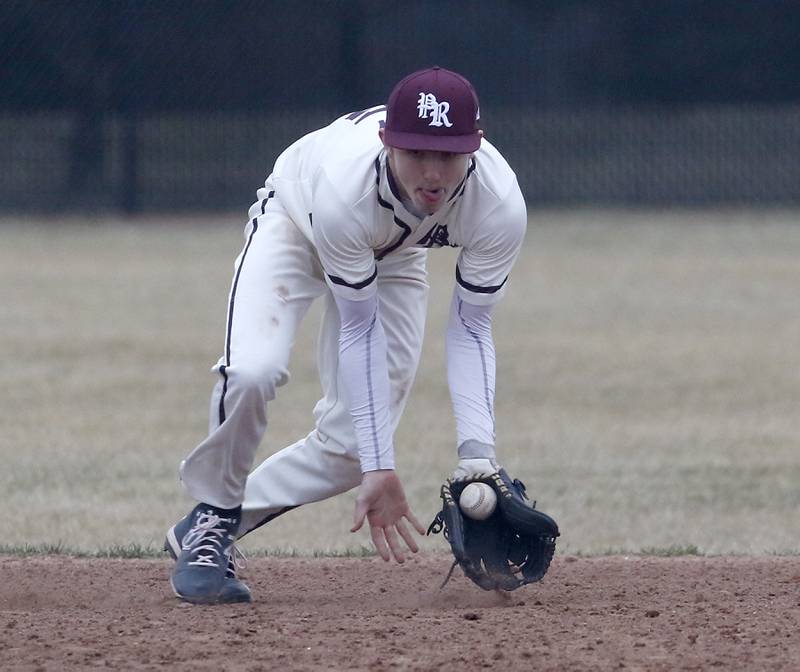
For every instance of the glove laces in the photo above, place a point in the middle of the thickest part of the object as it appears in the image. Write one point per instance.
(449, 574)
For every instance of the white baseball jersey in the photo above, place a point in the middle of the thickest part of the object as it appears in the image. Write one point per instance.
(334, 183)
(328, 221)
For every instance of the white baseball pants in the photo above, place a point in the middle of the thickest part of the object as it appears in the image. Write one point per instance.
(276, 278)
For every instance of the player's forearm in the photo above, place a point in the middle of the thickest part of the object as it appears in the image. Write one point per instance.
(471, 373)
(365, 374)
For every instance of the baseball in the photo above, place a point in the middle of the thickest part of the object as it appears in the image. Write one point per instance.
(478, 501)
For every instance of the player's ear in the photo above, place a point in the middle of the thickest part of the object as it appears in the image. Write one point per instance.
(380, 135)
(480, 133)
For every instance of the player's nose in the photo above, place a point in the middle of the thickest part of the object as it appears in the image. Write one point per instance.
(432, 168)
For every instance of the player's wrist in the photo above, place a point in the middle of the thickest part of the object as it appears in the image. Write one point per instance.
(475, 458)
(474, 467)
(376, 473)
(473, 449)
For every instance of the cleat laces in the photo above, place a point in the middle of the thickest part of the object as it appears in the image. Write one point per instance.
(238, 561)
(205, 539)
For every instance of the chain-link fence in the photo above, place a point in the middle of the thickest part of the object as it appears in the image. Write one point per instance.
(138, 105)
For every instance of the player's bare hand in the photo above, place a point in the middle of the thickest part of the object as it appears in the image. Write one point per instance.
(382, 502)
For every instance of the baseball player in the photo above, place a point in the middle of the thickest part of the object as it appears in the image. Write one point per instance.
(348, 214)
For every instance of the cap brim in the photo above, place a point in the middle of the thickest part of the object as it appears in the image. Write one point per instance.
(457, 144)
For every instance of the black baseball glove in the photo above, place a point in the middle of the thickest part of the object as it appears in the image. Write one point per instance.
(512, 547)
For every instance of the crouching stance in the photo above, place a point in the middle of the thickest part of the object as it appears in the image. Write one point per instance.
(348, 215)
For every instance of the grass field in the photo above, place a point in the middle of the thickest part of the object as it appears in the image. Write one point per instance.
(648, 382)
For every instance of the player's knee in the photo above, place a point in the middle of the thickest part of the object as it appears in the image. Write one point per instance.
(261, 375)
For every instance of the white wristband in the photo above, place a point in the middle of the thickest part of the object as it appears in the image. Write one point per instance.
(473, 467)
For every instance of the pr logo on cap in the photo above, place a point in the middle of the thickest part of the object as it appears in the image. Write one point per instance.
(428, 103)
(433, 109)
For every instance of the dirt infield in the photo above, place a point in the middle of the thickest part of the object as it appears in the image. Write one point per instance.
(639, 613)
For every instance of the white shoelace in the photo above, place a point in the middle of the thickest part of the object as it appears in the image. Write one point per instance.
(206, 536)
(239, 560)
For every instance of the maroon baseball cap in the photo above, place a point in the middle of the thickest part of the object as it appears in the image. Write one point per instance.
(433, 109)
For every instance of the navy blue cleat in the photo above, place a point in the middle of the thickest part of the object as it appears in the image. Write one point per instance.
(202, 544)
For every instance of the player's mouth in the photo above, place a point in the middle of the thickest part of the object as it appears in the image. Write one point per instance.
(431, 196)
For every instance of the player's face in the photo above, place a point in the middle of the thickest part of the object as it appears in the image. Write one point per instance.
(427, 178)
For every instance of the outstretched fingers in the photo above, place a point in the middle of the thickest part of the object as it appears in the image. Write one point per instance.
(419, 527)
(394, 544)
(387, 541)
(382, 503)
(407, 536)
(379, 541)
(390, 539)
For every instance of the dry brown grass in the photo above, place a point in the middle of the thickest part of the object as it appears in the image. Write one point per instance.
(648, 383)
